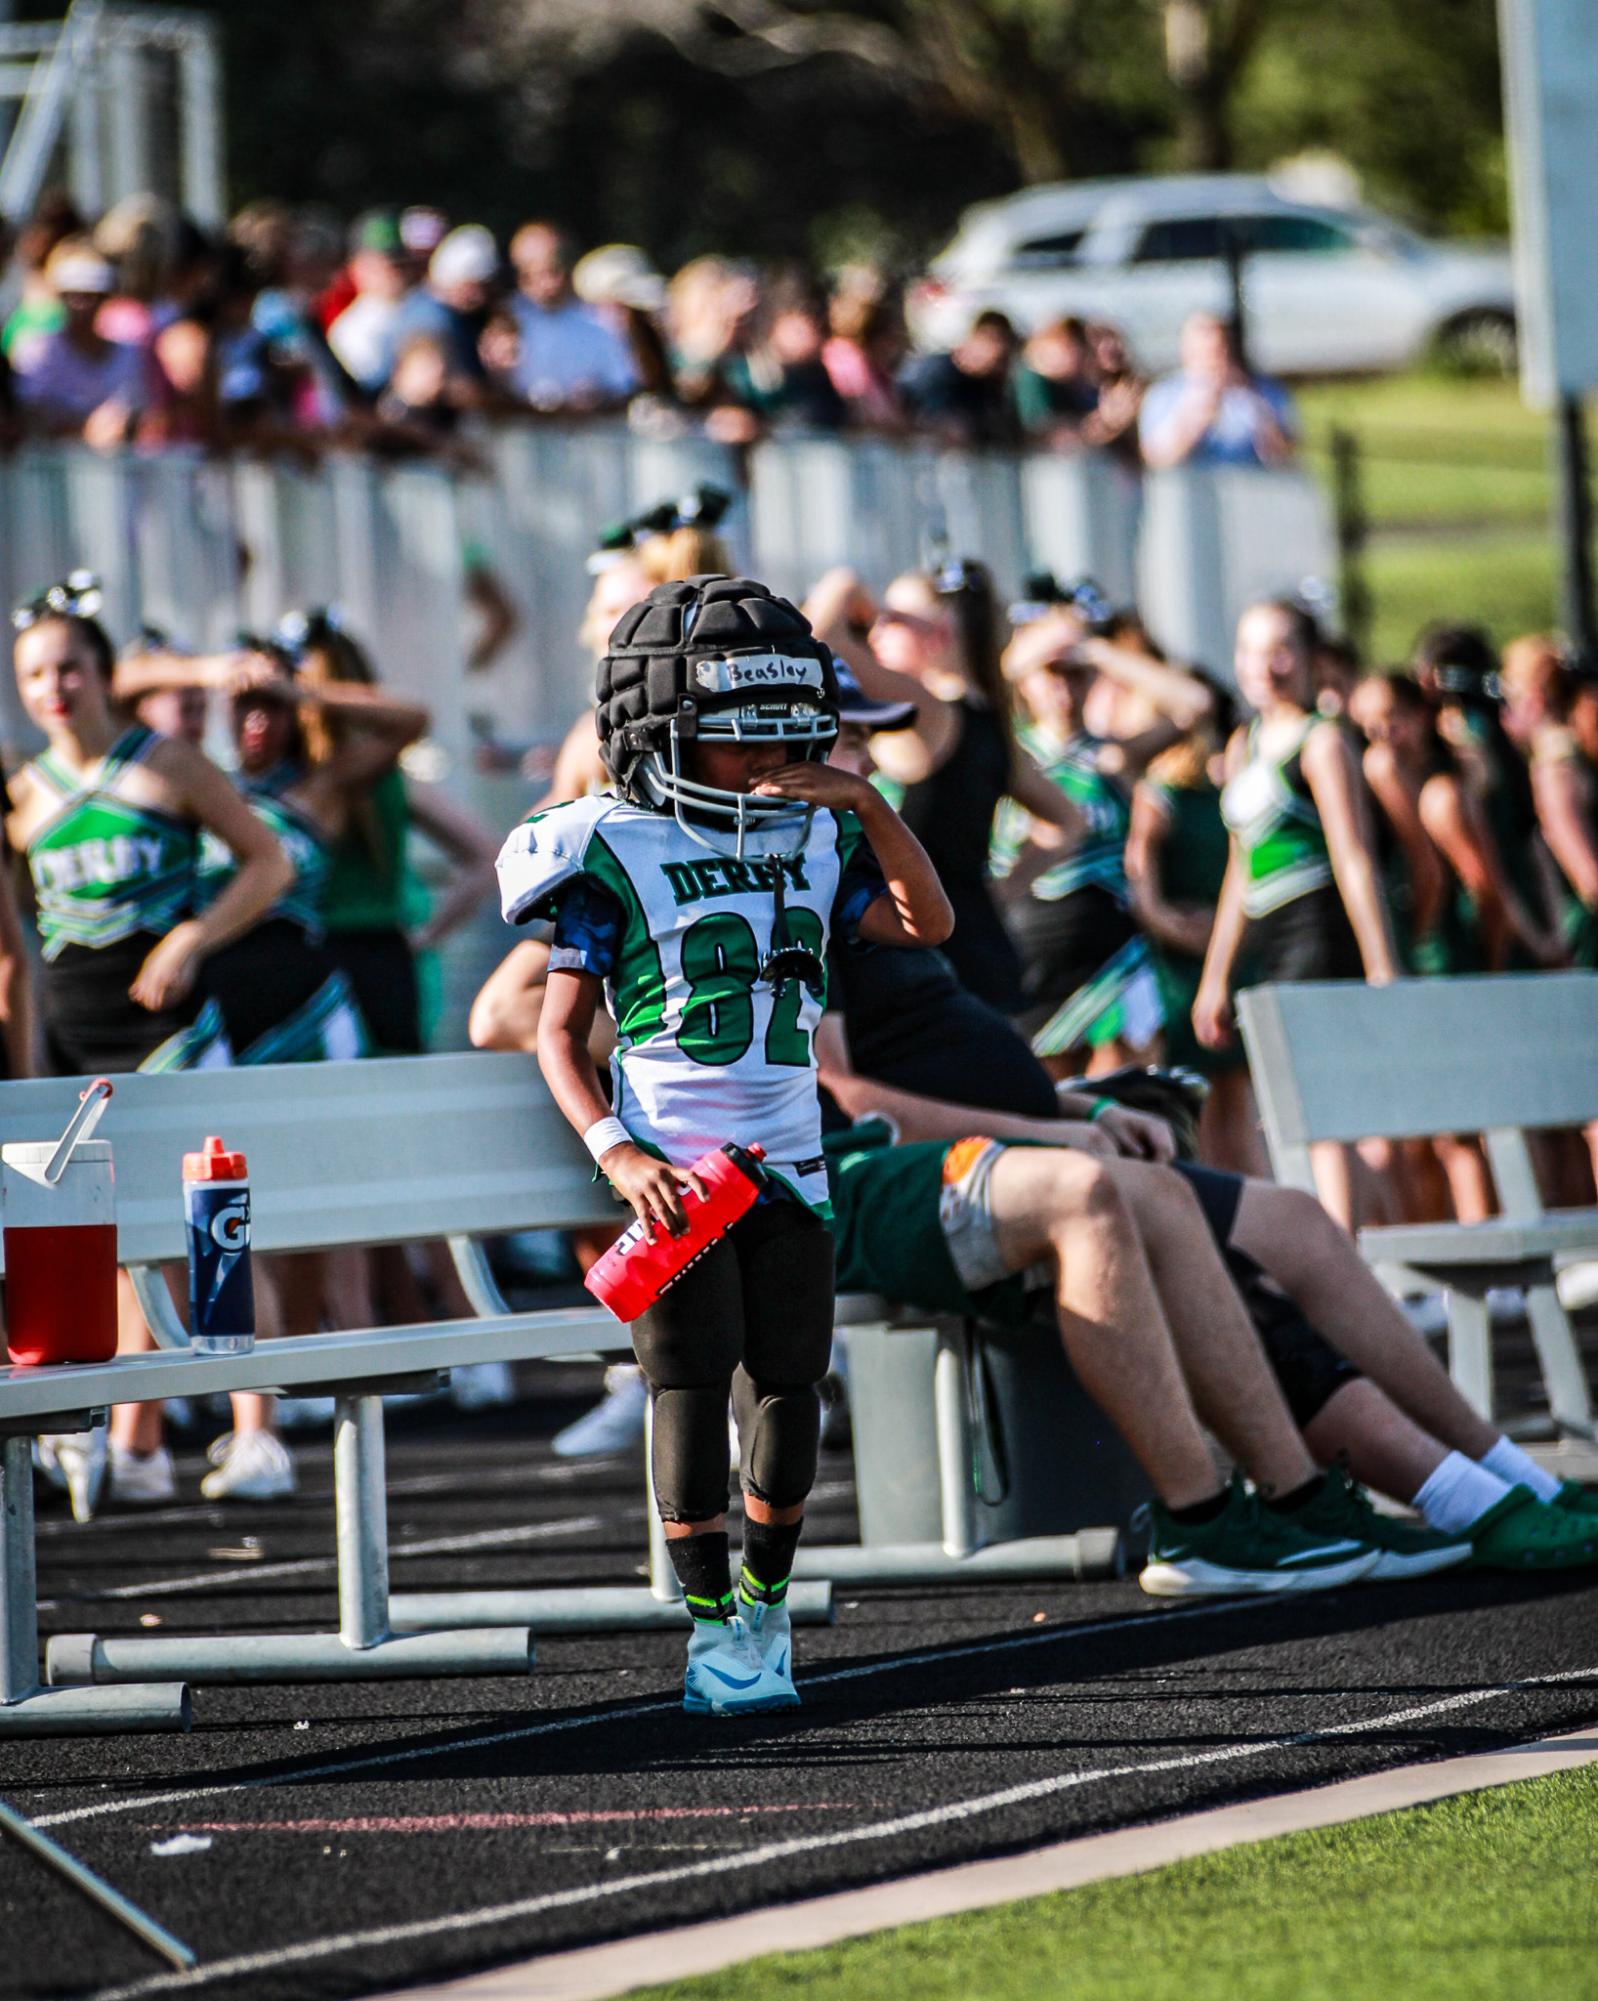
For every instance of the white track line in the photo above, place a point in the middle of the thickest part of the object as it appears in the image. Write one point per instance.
(660, 1706)
(252, 1573)
(783, 1851)
(621, 1966)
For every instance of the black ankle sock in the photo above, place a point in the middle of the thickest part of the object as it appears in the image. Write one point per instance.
(767, 1560)
(1298, 1497)
(704, 1570)
(1199, 1512)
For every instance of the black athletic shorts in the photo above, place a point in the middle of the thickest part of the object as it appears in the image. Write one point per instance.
(381, 969)
(1308, 1368)
(91, 1023)
(264, 978)
(1307, 939)
(1066, 944)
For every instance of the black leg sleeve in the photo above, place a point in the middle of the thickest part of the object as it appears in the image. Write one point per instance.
(788, 1303)
(688, 1344)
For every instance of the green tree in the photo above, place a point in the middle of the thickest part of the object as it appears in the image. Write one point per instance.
(788, 127)
(1407, 90)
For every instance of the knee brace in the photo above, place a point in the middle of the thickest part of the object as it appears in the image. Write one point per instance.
(689, 1452)
(779, 1431)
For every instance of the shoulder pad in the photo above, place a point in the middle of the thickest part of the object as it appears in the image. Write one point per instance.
(543, 854)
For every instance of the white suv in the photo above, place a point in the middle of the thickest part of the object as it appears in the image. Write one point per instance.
(1328, 288)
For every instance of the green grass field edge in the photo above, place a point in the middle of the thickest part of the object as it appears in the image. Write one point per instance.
(1487, 1896)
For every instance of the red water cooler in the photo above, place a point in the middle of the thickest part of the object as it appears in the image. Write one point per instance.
(59, 1200)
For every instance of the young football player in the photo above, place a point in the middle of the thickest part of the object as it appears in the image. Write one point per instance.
(697, 898)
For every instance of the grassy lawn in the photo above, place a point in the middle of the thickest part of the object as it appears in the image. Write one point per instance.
(1436, 449)
(1455, 476)
(1488, 1897)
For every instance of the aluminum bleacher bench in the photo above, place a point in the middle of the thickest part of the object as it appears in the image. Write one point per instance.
(369, 1153)
(1500, 1056)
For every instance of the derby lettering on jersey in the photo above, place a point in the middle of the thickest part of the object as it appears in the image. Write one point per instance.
(100, 862)
(722, 875)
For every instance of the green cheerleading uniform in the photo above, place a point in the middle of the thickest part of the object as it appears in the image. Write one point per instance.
(1297, 926)
(1087, 975)
(111, 877)
(1578, 921)
(1506, 799)
(281, 996)
(365, 909)
(1192, 864)
(1449, 943)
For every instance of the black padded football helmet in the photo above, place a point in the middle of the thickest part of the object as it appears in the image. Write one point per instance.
(715, 658)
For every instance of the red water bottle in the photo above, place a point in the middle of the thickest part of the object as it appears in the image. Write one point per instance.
(643, 1261)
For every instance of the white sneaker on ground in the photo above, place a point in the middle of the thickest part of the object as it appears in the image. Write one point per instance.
(771, 1631)
(482, 1386)
(75, 1461)
(249, 1466)
(1577, 1285)
(142, 1479)
(728, 1676)
(614, 1423)
(1427, 1314)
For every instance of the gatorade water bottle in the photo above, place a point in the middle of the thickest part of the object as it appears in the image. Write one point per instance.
(639, 1266)
(216, 1200)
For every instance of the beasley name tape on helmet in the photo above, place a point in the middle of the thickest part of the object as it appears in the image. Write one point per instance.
(756, 670)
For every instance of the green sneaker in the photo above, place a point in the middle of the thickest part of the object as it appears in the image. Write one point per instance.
(1575, 1498)
(1406, 1549)
(1522, 1533)
(1247, 1549)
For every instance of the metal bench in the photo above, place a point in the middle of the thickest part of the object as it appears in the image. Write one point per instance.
(385, 1152)
(1502, 1056)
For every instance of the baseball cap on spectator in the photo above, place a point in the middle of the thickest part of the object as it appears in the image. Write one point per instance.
(466, 256)
(76, 268)
(422, 230)
(619, 274)
(377, 229)
(856, 706)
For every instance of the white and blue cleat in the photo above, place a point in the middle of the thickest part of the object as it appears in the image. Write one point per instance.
(729, 1674)
(771, 1633)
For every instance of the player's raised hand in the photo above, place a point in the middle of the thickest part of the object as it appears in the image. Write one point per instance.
(816, 785)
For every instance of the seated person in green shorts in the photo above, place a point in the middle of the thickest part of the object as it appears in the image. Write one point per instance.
(954, 1224)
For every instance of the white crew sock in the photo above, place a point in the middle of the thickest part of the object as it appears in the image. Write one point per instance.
(1458, 1493)
(1518, 1469)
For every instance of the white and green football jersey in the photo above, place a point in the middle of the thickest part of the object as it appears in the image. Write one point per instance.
(705, 1052)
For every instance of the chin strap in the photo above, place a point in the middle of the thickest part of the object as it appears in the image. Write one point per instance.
(787, 962)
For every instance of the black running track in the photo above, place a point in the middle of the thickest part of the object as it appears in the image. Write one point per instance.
(347, 1839)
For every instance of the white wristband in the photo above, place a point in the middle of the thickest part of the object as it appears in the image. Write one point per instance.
(603, 1134)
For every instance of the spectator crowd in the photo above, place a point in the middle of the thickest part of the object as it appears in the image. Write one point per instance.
(289, 330)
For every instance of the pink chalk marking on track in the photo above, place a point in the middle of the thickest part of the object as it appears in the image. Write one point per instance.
(473, 1823)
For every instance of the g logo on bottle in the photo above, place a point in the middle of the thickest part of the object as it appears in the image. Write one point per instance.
(230, 1227)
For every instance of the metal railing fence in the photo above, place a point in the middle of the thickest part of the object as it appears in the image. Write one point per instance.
(204, 546)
